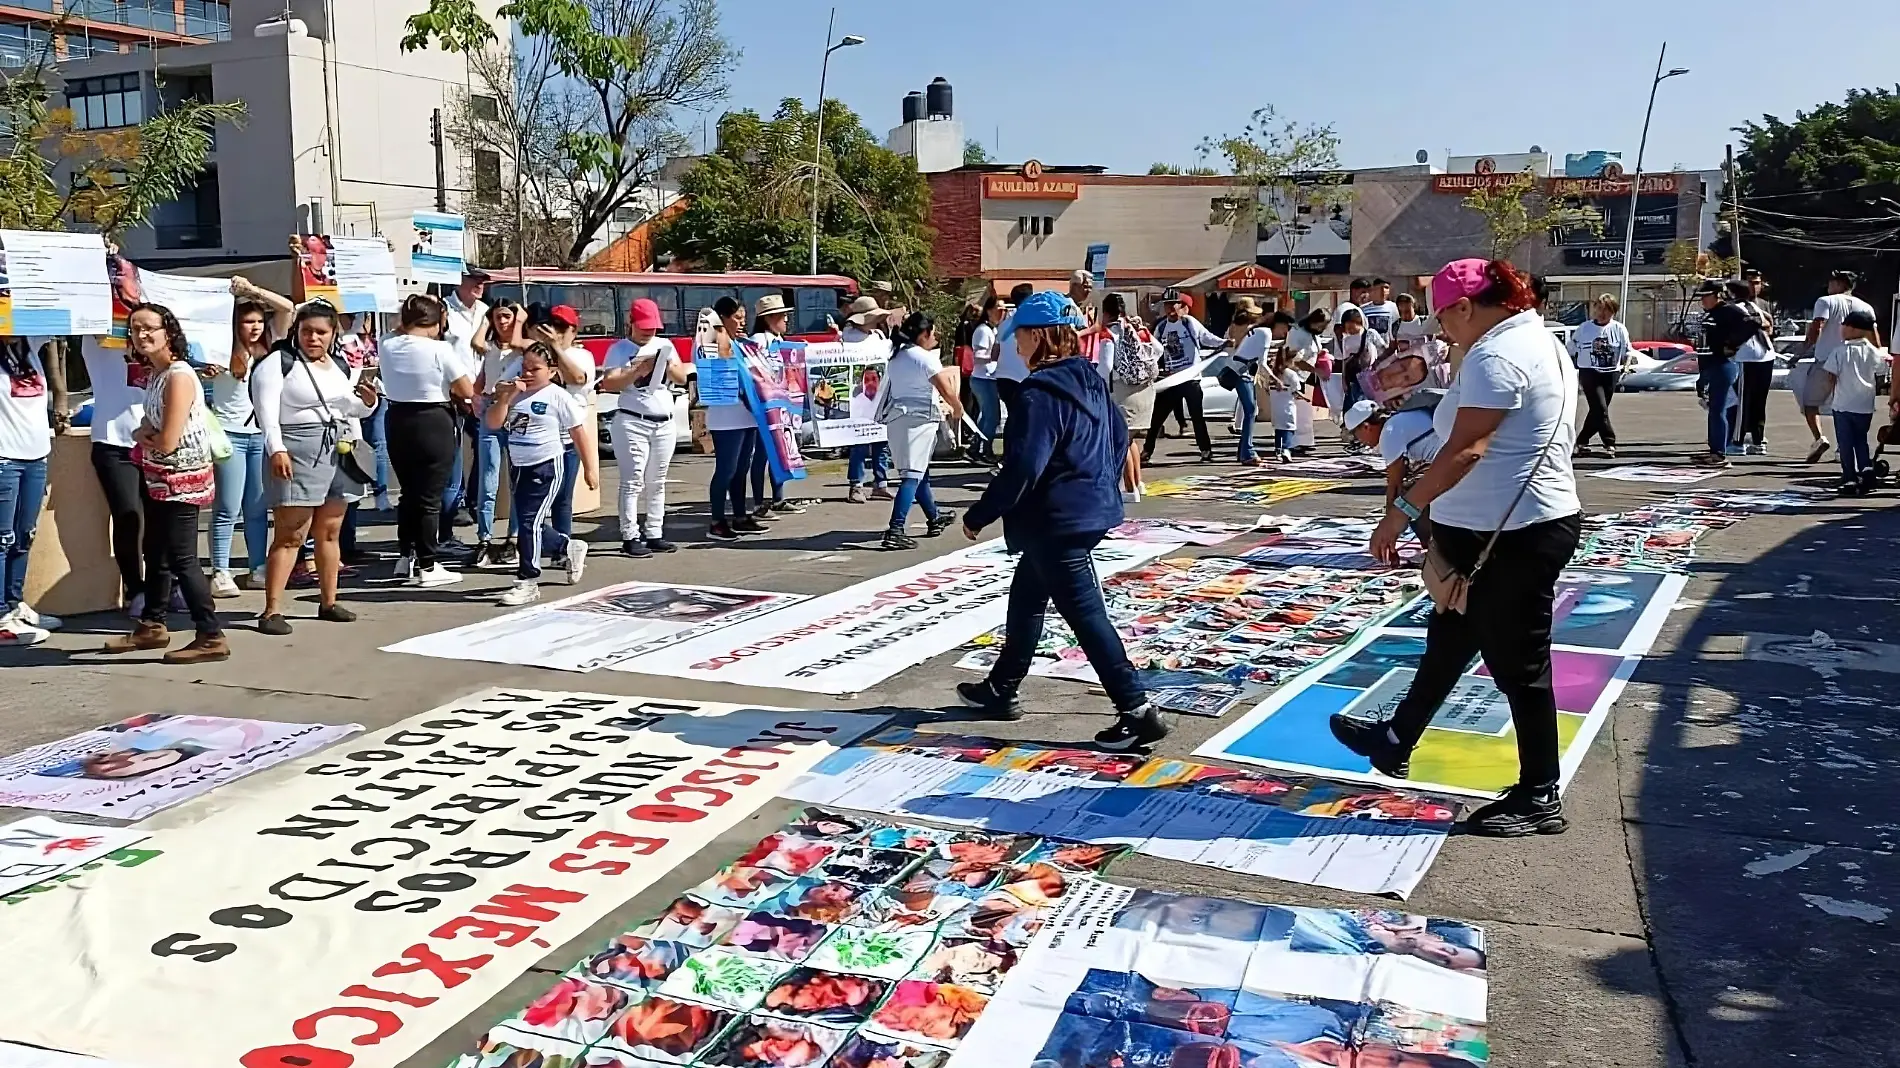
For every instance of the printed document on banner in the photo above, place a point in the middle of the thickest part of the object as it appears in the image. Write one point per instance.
(853, 639)
(365, 274)
(401, 880)
(38, 848)
(53, 283)
(435, 250)
(203, 307)
(844, 383)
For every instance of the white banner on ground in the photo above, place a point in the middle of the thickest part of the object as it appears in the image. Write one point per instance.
(851, 640)
(594, 630)
(38, 848)
(12, 1056)
(348, 910)
(1658, 474)
(132, 769)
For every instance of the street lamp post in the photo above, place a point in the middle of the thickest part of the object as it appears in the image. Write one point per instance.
(1636, 179)
(818, 152)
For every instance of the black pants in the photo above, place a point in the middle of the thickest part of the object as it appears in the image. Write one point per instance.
(1007, 390)
(1507, 621)
(423, 440)
(1060, 571)
(171, 553)
(119, 478)
(1599, 389)
(1188, 393)
(1757, 380)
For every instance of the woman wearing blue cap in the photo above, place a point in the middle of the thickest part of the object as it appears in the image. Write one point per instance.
(1058, 493)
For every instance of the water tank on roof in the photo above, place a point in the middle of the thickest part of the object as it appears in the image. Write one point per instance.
(913, 107)
(941, 98)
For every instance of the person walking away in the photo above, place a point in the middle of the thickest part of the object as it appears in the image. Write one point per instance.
(1824, 336)
(258, 319)
(1726, 328)
(26, 440)
(769, 319)
(642, 368)
(989, 403)
(466, 330)
(1249, 355)
(423, 379)
(1057, 496)
(1010, 368)
(1601, 347)
(506, 337)
(864, 322)
(309, 405)
(1379, 309)
(1756, 359)
(543, 420)
(1851, 373)
(907, 407)
(1185, 343)
(1406, 441)
(1134, 365)
(1506, 518)
(172, 448)
(734, 431)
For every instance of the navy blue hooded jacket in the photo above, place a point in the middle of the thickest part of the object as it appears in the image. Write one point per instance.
(1062, 461)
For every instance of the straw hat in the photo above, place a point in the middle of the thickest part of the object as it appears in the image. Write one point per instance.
(864, 312)
(771, 304)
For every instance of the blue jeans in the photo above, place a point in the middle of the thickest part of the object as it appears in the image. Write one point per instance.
(374, 434)
(1060, 571)
(760, 468)
(732, 458)
(563, 520)
(913, 491)
(879, 455)
(1248, 406)
(1718, 384)
(534, 491)
(1283, 439)
(490, 446)
(989, 413)
(22, 490)
(240, 482)
(1850, 437)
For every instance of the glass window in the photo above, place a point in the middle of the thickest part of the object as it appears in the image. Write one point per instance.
(694, 298)
(596, 307)
(817, 306)
(106, 103)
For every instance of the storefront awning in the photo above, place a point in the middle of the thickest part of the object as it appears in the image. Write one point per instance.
(1241, 277)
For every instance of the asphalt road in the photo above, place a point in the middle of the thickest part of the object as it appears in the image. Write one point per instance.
(1723, 896)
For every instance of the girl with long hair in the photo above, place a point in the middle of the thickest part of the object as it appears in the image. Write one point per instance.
(989, 403)
(907, 406)
(734, 431)
(258, 319)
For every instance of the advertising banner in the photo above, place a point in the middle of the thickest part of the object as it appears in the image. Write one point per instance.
(349, 909)
(437, 251)
(355, 274)
(53, 283)
(844, 382)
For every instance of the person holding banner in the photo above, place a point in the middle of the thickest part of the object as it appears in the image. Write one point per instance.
(543, 423)
(1187, 346)
(258, 319)
(769, 320)
(907, 406)
(26, 440)
(643, 368)
(734, 431)
(864, 322)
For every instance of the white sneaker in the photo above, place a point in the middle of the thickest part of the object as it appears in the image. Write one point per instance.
(576, 560)
(406, 566)
(436, 576)
(526, 591)
(15, 631)
(223, 586)
(26, 614)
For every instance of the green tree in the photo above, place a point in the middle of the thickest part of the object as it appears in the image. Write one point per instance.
(1825, 183)
(1286, 174)
(1518, 210)
(1163, 168)
(591, 97)
(974, 154)
(749, 202)
(1170, 168)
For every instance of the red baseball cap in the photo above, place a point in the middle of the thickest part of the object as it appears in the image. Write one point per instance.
(646, 315)
(566, 316)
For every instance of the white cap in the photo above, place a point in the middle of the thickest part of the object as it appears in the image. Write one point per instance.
(1357, 415)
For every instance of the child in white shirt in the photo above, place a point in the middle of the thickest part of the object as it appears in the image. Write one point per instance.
(1285, 383)
(1850, 371)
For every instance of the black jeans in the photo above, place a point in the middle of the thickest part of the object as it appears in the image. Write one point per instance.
(423, 440)
(1757, 380)
(123, 486)
(1188, 393)
(1507, 621)
(1007, 390)
(1060, 570)
(1599, 389)
(171, 552)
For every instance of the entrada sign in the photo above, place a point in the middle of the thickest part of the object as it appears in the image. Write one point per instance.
(1250, 278)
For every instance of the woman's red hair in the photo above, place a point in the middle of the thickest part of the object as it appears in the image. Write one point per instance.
(1510, 288)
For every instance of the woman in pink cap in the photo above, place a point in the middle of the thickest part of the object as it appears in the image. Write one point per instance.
(1504, 513)
(643, 368)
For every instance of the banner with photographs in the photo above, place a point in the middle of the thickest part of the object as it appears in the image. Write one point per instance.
(349, 909)
(77, 879)
(354, 274)
(598, 629)
(1225, 622)
(131, 769)
(436, 250)
(1367, 840)
(1605, 621)
(1180, 531)
(838, 941)
(852, 639)
(1253, 491)
(845, 377)
(1330, 542)
(39, 848)
(775, 394)
(1120, 976)
(53, 284)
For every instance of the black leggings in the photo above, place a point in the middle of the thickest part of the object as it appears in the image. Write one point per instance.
(171, 552)
(120, 480)
(1757, 380)
(1188, 393)
(422, 445)
(1599, 389)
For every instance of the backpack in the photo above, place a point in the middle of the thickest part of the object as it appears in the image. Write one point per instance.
(1137, 360)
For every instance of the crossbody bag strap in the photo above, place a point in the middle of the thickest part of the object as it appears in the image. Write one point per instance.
(1567, 412)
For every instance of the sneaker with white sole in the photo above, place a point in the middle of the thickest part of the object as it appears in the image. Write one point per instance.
(576, 561)
(434, 577)
(526, 591)
(26, 614)
(17, 633)
(223, 586)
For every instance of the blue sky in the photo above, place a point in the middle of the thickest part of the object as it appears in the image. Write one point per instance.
(1113, 88)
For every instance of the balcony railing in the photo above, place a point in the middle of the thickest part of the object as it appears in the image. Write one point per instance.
(194, 235)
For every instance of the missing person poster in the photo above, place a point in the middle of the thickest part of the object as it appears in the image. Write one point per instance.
(436, 250)
(775, 393)
(844, 382)
(53, 283)
(355, 274)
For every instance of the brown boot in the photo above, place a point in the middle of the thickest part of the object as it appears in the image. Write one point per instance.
(202, 650)
(144, 638)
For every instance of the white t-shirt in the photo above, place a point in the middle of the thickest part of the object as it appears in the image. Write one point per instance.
(538, 425)
(1253, 348)
(118, 402)
(907, 380)
(419, 370)
(983, 345)
(459, 326)
(1517, 366)
(310, 394)
(651, 397)
(26, 413)
(1832, 309)
(1597, 347)
(1408, 436)
(1283, 402)
(1855, 365)
(494, 366)
(230, 401)
(579, 355)
(1009, 363)
(1381, 316)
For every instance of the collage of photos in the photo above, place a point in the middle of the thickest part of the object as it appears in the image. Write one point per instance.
(1254, 491)
(838, 941)
(845, 379)
(1662, 536)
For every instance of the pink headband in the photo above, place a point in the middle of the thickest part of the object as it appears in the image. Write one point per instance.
(1457, 280)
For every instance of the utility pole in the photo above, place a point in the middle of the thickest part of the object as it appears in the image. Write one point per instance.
(441, 161)
(1734, 205)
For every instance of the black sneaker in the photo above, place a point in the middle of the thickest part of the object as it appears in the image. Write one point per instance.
(983, 696)
(635, 549)
(335, 613)
(1207, 457)
(747, 525)
(1371, 740)
(276, 626)
(763, 513)
(788, 508)
(1522, 810)
(1139, 729)
(661, 545)
(895, 540)
(944, 521)
(722, 532)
